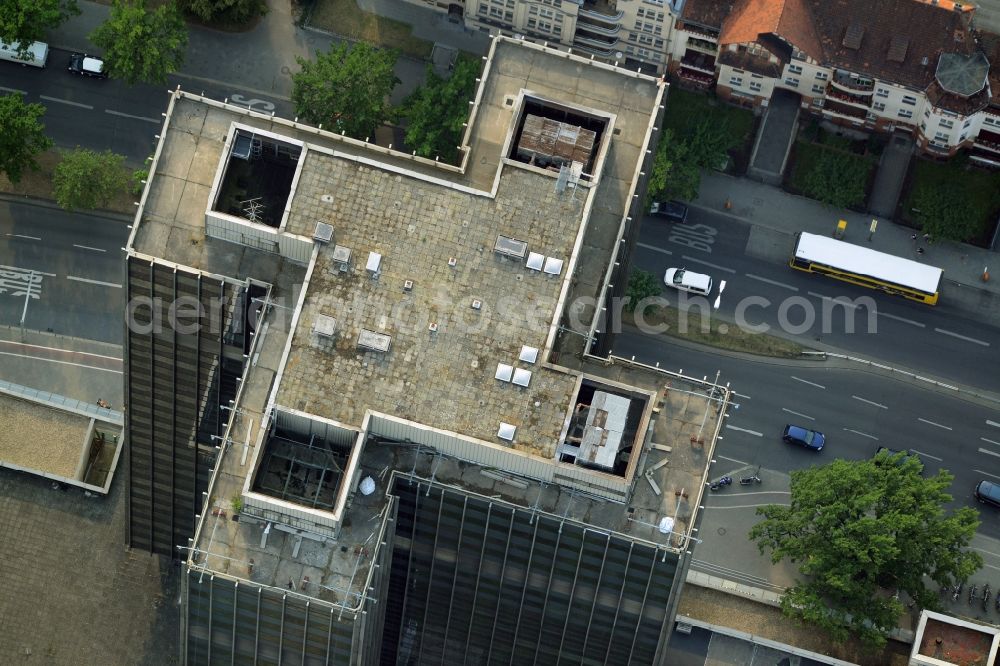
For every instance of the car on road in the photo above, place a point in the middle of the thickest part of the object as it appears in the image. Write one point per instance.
(685, 280)
(87, 65)
(988, 492)
(675, 211)
(799, 436)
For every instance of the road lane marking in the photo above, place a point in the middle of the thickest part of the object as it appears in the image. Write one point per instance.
(66, 101)
(933, 424)
(990, 441)
(902, 319)
(962, 337)
(863, 434)
(992, 423)
(740, 395)
(875, 404)
(708, 263)
(805, 416)
(13, 90)
(746, 506)
(100, 283)
(990, 453)
(87, 247)
(926, 455)
(751, 432)
(843, 300)
(986, 473)
(25, 270)
(26, 238)
(741, 462)
(806, 381)
(55, 360)
(155, 121)
(772, 282)
(653, 248)
(22, 345)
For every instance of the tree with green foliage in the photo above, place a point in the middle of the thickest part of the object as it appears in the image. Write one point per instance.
(87, 179)
(675, 173)
(641, 285)
(224, 11)
(346, 89)
(946, 213)
(864, 532)
(436, 111)
(27, 21)
(142, 45)
(835, 179)
(22, 136)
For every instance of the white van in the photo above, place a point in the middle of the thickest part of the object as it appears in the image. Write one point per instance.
(685, 280)
(36, 55)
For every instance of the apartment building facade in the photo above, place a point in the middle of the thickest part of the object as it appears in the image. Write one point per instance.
(915, 66)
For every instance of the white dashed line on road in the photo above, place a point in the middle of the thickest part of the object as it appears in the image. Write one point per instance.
(741, 462)
(986, 473)
(902, 319)
(990, 453)
(926, 455)
(806, 381)
(87, 247)
(55, 360)
(100, 283)
(992, 423)
(772, 282)
(708, 263)
(933, 424)
(25, 237)
(962, 337)
(874, 404)
(750, 432)
(805, 416)
(66, 101)
(989, 441)
(863, 434)
(653, 248)
(155, 121)
(740, 395)
(13, 90)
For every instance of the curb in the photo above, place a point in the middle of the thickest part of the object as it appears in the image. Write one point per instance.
(52, 205)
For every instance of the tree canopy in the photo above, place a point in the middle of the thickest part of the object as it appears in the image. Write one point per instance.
(27, 21)
(862, 532)
(88, 179)
(676, 172)
(641, 285)
(22, 136)
(233, 11)
(835, 179)
(142, 45)
(346, 89)
(946, 214)
(436, 111)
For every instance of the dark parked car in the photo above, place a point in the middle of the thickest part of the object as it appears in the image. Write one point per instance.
(87, 65)
(674, 211)
(988, 493)
(908, 453)
(810, 439)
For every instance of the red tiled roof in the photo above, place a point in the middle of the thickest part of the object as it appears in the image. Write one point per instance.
(887, 39)
(709, 13)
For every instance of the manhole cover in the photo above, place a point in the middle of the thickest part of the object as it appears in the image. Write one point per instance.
(721, 531)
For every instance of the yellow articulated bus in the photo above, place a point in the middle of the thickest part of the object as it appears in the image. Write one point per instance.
(867, 268)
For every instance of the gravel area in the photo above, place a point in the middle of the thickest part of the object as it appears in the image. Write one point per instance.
(40, 438)
(765, 621)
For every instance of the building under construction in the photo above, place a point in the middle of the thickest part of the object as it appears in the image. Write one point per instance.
(363, 408)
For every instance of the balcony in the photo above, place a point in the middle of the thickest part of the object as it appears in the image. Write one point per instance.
(702, 45)
(597, 51)
(601, 10)
(855, 85)
(695, 79)
(698, 62)
(597, 28)
(581, 37)
(988, 140)
(861, 101)
(837, 108)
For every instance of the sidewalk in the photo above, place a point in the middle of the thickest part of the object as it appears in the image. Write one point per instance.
(772, 208)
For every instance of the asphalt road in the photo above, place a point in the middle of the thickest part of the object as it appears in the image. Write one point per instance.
(942, 340)
(107, 114)
(66, 266)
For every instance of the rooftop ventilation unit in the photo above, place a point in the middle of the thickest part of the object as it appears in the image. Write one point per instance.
(373, 341)
(510, 247)
(522, 377)
(553, 266)
(504, 372)
(325, 326)
(374, 265)
(506, 431)
(528, 354)
(407, 285)
(535, 261)
(323, 233)
(341, 258)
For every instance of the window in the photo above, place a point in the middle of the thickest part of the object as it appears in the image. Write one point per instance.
(508, 16)
(736, 80)
(794, 69)
(818, 89)
(658, 43)
(532, 23)
(641, 12)
(632, 37)
(756, 76)
(792, 81)
(946, 124)
(942, 136)
(910, 100)
(905, 113)
(963, 137)
(966, 124)
(990, 120)
(545, 26)
(878, 106)
(737, 71)
(755, 86)
(658, 30)
(546, 13)
(927, 113)
(533, 10)
(638, 25)
(882, 92)
(558, 18)
(643, 53)
(822, 76)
